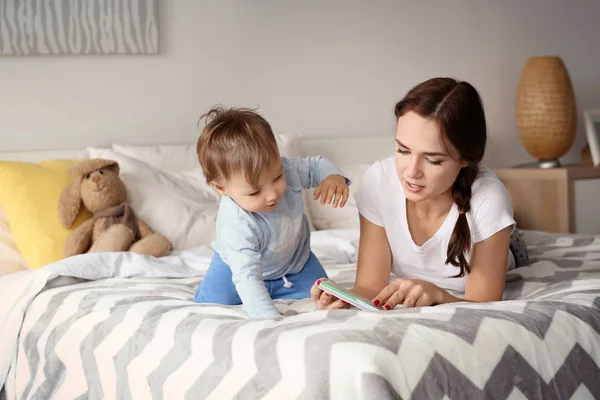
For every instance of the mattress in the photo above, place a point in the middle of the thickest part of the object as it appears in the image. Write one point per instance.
(125, 326)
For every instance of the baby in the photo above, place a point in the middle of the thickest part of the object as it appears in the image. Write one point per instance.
(262, 248)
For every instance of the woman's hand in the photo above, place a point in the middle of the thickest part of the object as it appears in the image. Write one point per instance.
(333, 188)
(325, 301)
(408, 293)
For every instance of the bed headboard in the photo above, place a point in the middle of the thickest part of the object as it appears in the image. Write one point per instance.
(342, 150)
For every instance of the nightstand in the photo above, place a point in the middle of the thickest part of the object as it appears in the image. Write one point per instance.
(565, 199)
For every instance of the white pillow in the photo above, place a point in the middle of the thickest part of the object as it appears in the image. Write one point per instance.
(177, 158)
(327, 217)
(164, 157)
(289, 145)
(183, 157)
(179, 205)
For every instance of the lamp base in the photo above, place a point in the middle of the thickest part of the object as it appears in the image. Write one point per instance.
(542, 164)
(549, 164)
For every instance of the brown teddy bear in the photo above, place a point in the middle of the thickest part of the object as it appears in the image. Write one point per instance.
(114, 226)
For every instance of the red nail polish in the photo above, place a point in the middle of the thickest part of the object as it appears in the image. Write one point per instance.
(387, 307)
(319, 282)
(376, 302)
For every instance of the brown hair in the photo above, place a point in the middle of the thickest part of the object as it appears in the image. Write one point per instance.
(236, 140)
(458, 111)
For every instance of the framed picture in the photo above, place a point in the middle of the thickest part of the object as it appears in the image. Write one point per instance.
(592, 130)
(78, 27)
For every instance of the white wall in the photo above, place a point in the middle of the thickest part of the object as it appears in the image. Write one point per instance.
(318, 67)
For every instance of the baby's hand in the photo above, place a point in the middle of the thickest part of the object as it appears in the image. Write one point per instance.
(333, 188)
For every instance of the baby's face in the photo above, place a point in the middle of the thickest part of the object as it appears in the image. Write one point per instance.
(264, 197)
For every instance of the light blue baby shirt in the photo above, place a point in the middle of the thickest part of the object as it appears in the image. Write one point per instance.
(261, 246)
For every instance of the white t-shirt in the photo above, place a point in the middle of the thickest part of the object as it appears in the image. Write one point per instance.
(381, 200)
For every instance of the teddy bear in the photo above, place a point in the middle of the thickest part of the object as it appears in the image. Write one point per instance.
(114, 226)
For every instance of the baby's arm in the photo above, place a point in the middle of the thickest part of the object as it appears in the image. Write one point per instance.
(239, 243)
(331, 184)
(313, 170)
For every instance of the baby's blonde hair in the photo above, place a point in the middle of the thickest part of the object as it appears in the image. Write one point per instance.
(236, 141)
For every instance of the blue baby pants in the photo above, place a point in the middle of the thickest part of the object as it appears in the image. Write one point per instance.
(217, 286)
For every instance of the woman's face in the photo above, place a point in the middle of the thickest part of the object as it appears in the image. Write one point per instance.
(426, 168)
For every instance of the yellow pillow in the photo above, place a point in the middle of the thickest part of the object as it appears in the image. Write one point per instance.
(29, 194)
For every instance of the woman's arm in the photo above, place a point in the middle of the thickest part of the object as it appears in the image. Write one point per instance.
(374, 260)
(373, 267)
(488, 270)
(484, 283)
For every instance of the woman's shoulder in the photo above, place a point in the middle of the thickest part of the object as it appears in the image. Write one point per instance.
(379, 174)
(488, 189)
(491, 206)
(376, 190)
(487, 180)
(382, 169)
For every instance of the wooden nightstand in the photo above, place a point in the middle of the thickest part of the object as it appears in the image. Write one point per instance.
(563, 199)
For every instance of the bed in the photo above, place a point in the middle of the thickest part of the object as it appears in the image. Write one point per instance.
(119, 325)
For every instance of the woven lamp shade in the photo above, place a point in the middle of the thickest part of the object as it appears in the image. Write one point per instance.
(545, 108)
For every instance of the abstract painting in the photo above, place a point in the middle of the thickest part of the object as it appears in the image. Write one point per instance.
(78, 27)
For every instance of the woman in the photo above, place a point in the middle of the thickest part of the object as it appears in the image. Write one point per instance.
(431, 214)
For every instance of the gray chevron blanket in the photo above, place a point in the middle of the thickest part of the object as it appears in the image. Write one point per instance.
(123, 326)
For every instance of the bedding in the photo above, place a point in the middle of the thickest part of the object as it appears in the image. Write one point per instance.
(184, 157)
(325, 218)
(165, 184)
(29, 199)
(177, 204)
(122, 325)
(10, 258)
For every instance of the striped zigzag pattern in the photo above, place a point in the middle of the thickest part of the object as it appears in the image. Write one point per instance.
(115, 340)
(139, 338)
